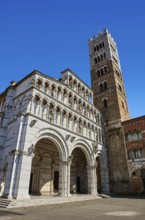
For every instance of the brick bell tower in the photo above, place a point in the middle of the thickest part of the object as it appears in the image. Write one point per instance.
(110, 98)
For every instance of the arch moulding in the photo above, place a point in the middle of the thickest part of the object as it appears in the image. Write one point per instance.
(86, 148)
(56, 138)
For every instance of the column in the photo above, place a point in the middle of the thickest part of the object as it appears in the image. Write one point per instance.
(18, 176)
(30, 103)
(10, 176)
(22, 180)
(92, 183)
(63, 178)
(70, 158)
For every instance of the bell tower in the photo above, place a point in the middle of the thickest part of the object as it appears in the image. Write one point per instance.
(110, 98)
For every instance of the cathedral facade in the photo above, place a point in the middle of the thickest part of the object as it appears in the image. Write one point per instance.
(60, 137)
(52, 138)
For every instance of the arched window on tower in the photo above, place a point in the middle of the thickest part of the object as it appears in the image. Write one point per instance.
(105, 103)
(98, 73)
(105, 85)
(104, 55)
(98, 58)
(97, 47)
(102, 73)
(102, 58)
(95, 60)
(105, 69)
(101, 87)
(94, 49)
(120, 88)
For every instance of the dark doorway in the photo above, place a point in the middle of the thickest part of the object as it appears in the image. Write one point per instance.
(30, 185)
(56, 181)
(78, 184)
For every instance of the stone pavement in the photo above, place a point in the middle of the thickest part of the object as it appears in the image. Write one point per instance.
(116, 208)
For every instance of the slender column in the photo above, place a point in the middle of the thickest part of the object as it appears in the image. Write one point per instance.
(73, 123)
(66, 120)
(70, 158)
(47, 110)
(58, 121)
(14, 161)
(61, 118)
(54, 111)
(30, 103)
(39, 108)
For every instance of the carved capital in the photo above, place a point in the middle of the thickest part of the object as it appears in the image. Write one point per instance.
(70, 158)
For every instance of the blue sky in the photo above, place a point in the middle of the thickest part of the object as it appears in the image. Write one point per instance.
(51, 36)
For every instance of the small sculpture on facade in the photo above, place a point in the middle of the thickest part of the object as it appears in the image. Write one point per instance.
(51, 115)
(72, 139)
(33, 122)
(95, 146)
(80, 128)
(67, 137)
(31, 149)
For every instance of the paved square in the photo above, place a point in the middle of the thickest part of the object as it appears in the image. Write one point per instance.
(109, 208)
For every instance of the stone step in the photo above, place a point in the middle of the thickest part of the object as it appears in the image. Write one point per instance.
(4, 203)
(46, 200)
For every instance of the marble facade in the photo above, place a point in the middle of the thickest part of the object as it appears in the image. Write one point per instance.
(51, 138)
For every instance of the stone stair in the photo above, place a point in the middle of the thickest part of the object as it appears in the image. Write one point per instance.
(47, 200)
(4, 203)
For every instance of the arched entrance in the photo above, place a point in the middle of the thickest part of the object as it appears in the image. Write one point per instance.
(44, 179)
(98, 174)
(78, 172)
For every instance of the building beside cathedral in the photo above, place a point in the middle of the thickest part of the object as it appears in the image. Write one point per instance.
(60, 137)
(134, 131)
